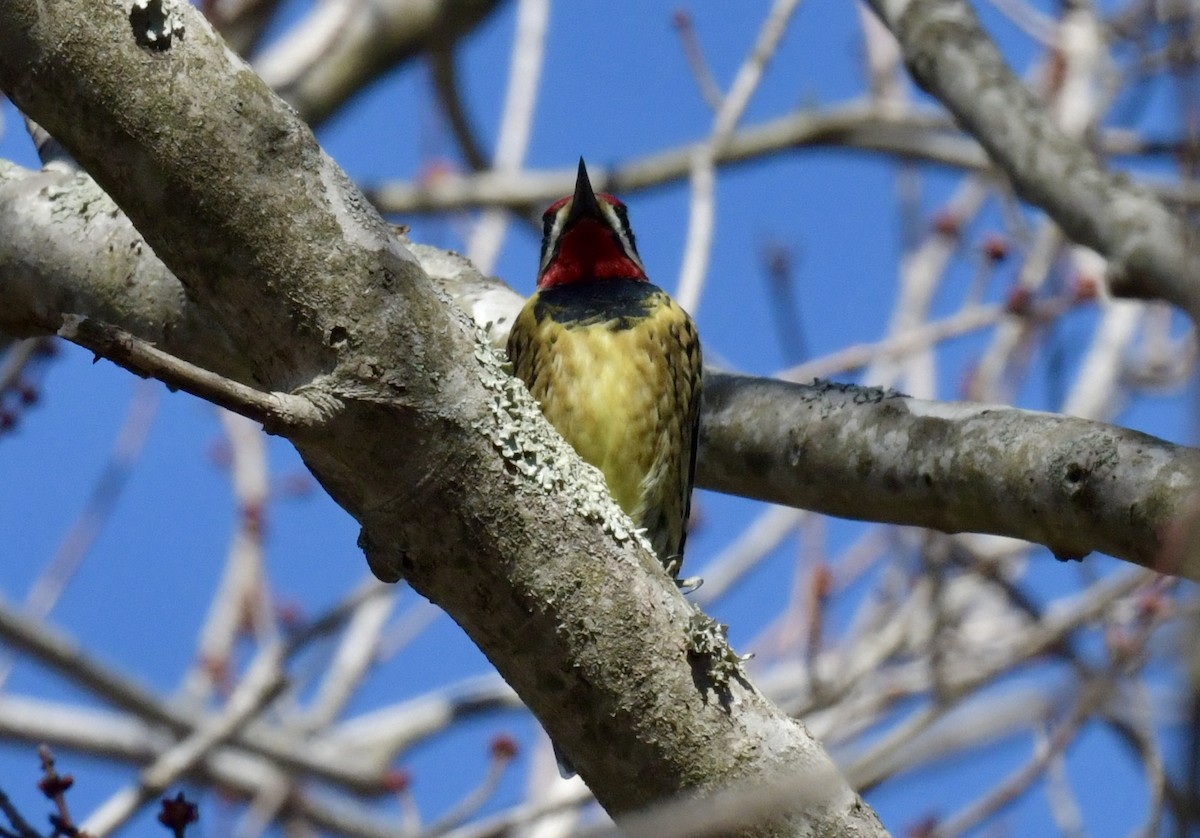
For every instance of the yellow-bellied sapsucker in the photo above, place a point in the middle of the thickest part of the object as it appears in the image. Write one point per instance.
(614, 363)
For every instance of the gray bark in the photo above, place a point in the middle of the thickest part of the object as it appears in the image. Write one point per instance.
(341, 46)
(1151, 252)
(1074, 485)
(320, 302)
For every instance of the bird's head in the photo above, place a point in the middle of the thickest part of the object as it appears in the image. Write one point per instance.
(585, 237)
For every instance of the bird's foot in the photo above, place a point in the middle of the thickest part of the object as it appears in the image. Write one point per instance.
(687, 584)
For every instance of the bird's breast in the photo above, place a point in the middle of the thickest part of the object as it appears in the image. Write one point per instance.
(604, 360)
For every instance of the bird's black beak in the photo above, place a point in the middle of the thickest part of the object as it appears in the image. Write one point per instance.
(583, 203)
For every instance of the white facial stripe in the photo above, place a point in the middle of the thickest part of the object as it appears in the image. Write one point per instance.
(551, 250)
(614, 221)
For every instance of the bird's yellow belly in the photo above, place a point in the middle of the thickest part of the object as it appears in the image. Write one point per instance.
(607, 404)
(616, 368)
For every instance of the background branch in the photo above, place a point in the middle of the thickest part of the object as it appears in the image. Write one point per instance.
(1151, 253)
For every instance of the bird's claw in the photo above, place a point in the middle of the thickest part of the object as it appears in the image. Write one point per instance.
(687, 584)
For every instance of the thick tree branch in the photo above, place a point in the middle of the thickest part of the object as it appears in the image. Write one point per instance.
(66, 248)
(1151, 252)
(960, 468)
(342, 46)
(242, 23)
(1074, 485)
(527, 551)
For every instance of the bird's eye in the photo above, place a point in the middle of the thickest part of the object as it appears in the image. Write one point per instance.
(547, 223)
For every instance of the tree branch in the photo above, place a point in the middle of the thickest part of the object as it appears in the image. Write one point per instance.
(918, 135)
(527, 551)
(65, 247)
(63, 655)
(1075, 485)
(1151, 253)
(261, 685)
(797, 445)
(278, 413)
(341, 47)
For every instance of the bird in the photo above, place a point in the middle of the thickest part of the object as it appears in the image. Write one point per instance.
(615, 364)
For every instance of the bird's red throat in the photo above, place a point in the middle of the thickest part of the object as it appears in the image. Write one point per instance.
(589, 251)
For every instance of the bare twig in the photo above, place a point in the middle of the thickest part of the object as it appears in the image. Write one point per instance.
(78, 541)
(23, 828)
(55, 786)
(917, 134)
(444, 73)
(701, 214)
(685, 26)
(242, 597)
(529, 47)
(261, 685)
(278, 412)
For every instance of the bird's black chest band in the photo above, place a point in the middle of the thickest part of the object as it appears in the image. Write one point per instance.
(624, 302)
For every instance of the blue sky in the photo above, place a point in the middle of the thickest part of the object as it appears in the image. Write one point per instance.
(615, 87)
